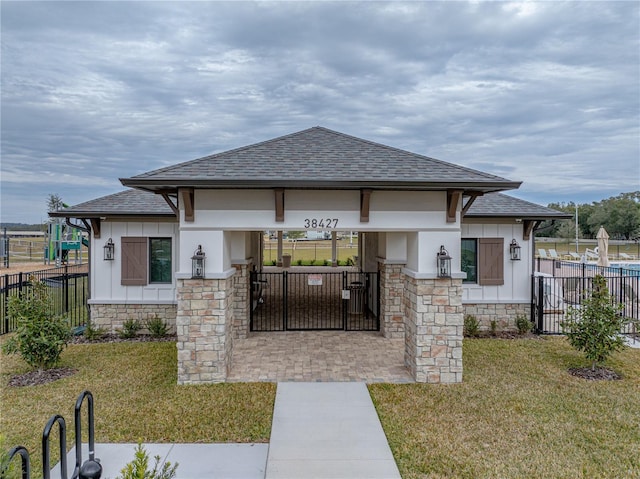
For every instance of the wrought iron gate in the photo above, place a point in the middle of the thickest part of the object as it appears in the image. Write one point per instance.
(284, 301)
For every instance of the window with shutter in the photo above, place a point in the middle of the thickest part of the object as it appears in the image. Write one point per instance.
(491, 261)
(134, 261)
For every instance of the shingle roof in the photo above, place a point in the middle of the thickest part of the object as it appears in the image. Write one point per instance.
(319, 158)
(125, 203)
(501, 205)
(133, 202)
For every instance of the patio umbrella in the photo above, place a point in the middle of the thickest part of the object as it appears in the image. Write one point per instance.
(603, 247)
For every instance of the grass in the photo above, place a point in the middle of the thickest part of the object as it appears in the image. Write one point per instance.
(518, 413)
(136, 399)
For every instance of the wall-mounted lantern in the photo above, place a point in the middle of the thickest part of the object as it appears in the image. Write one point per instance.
(444, 263)
(514, 250)
(109, 250)
(197, 263)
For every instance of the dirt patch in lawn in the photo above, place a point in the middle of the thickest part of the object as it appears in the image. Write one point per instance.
(597, 374)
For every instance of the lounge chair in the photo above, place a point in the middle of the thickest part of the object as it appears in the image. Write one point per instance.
(542, 253)
(626, 256)
(574, 256)
(554, 254)
(591, 254)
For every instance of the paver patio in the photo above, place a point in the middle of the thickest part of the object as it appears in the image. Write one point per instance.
(319, 356)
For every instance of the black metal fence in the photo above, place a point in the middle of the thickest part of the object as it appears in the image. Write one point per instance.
(560, 285)
(68, 286)
(313, 300)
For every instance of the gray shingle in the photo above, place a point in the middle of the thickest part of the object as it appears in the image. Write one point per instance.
(501, 205)
(316, 156)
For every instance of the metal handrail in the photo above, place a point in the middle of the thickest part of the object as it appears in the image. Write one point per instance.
(46, 467)
(26, 465)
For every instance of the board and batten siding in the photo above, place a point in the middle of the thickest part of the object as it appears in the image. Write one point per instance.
(494, 240)
(125, 280)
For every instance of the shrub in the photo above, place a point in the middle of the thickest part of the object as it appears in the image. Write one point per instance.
(471, 326)
(523, 325)
(595, 328)
(129, 329)
(157, 327)
(139, 467)
(299, 262)
(40, 336)
(350, 262)
(494, 327)
(92, 333)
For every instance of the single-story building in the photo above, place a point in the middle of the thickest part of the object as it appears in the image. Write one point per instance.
(442, 239)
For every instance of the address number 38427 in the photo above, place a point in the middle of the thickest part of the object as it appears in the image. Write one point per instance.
(327, 223)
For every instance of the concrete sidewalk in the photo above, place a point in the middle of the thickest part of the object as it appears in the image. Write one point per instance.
(327, 430)
(320, 430)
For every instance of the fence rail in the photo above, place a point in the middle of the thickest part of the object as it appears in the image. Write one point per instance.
(68, 286)
(560, 285)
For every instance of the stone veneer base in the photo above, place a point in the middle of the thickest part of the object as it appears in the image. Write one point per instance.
(112, 316)
(504, 313)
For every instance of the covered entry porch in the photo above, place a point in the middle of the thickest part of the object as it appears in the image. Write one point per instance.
(318, 356)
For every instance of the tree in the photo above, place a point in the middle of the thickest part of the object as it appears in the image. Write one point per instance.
(595, 328)
(40, 336)
(54, 202)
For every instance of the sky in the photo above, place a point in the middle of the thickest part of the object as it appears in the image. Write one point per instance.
(547, 93)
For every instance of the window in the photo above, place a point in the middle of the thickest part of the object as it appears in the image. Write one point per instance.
(145, 260)
(160, 260)
(483, 261)
(469, 260)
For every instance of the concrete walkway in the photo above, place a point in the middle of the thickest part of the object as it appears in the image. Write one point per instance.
(327, 430)
(320, 430)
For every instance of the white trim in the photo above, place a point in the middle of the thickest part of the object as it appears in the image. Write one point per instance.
(132, 301)
(416, 275)
(224, 275)
(242, 261)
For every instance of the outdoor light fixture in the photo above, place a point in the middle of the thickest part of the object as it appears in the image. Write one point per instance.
(109, 250)
(197, 263)
(444, 263)
(514, 250)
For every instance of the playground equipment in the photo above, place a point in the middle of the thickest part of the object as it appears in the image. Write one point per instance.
(61, 239)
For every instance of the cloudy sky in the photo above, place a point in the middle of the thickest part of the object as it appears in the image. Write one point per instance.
(545, 93)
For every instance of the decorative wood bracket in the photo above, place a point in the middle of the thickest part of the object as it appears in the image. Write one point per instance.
(527, 228)
(453, 198)
(279, 198)
(365, 200)
(472, 197)
(186, 196)
(172, 205)
(95, 226)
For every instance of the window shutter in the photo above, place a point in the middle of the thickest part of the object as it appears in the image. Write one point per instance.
(134, 261)
(491, 261)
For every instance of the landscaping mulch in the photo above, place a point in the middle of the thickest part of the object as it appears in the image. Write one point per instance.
(597, 374)
(114, 338)
(44, 376)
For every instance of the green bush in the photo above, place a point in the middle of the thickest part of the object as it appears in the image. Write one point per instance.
(523, 325)
(40, 335)
(92, 333)
(471, 327)
(129, 329)
(139, 467)
(157, 327)
(595, 328)
(494, 327)
(299, 262)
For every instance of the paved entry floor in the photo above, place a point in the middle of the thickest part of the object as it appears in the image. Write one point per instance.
(314, 356)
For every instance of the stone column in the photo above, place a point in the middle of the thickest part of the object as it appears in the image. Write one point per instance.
(391, 304)
(241, 298)
(434, 324)
(204, 323)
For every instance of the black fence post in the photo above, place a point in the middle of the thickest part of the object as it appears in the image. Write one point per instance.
(540, 325)
(66, 288)
(285, 299)
(6, 304)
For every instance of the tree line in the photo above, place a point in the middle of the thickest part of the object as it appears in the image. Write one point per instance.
(620, 216)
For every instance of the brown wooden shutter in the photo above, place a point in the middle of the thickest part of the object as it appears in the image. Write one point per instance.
(491, 261)
(134, 261)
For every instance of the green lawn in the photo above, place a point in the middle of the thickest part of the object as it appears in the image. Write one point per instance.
(136, 399)
(518, 414)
